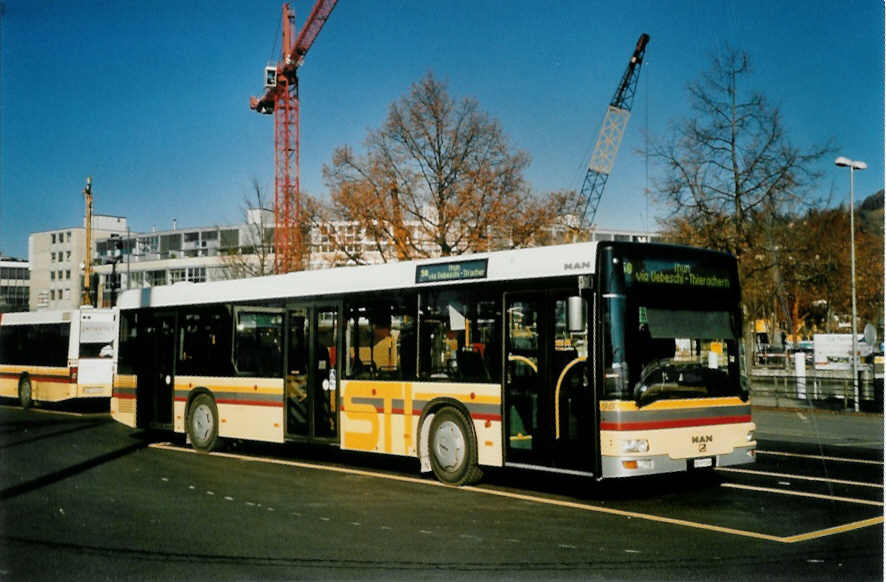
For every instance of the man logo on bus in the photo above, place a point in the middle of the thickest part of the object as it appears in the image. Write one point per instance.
(705, 438)
(702, 441)
(577, 266)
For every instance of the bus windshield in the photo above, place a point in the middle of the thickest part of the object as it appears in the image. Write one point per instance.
(683, 354)
(672, 328)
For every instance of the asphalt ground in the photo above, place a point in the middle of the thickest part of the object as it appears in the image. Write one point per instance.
(84, 498)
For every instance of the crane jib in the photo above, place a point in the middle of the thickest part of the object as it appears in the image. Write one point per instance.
(611, 133)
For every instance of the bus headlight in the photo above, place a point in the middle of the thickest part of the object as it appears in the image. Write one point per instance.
(750, 435)
(635, 446)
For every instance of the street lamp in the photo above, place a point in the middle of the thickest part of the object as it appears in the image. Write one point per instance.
(852, 165)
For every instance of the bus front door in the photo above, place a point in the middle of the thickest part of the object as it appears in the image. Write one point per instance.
(156, 376)
(549, 403)
(311, 371)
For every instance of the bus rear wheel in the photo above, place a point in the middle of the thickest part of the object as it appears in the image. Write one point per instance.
(453, 448)
(202, 423)
(24, 392)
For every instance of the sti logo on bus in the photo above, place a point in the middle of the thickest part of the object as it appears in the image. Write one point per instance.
(577, 266)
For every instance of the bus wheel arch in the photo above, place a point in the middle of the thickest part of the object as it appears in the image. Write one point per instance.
(202, 421)
(448, 442)
(25, 391)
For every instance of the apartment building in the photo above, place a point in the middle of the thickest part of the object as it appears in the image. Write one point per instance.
(194, 254)
(15, 283)
(57, 257)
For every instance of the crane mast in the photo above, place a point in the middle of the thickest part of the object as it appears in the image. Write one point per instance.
(281, 99)
(611, 133)
(86, 297)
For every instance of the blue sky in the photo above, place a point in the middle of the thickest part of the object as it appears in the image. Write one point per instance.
(150, 97)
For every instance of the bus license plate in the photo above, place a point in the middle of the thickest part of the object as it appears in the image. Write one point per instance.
(704, 462)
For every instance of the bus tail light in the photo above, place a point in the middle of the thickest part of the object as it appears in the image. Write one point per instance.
(73, 371)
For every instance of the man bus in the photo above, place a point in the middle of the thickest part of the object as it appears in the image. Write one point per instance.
(52, 356)
(601, 359)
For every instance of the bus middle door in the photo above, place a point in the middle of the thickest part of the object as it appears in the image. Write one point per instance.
(156, 376)
(311, 371)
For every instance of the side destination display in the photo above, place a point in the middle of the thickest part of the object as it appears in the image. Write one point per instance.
(676, 274)
(457, 271)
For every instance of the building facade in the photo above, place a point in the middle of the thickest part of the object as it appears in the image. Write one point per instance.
(57, 258)
(15, 284)
(124, 260)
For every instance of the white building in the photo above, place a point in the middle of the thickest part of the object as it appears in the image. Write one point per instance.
(197, 254)
(15, 282)
(57, 258)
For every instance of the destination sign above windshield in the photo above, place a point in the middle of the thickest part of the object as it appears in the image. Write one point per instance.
(457, 271)
(676, 274)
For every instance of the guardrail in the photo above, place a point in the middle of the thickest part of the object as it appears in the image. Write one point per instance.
(831, 390)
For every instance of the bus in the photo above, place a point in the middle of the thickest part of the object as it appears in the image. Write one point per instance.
(52, 356)
(602, 359)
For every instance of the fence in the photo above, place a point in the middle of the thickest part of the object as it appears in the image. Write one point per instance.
(829, 389)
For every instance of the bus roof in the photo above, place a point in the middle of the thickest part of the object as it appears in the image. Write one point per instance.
(530, 263)
(37, 317)
(54, 316)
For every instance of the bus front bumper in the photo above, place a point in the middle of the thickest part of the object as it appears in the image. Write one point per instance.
(631, 466)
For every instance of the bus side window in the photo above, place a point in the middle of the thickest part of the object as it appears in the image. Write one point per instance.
(380, 340)
(459, 336)
(258, 343)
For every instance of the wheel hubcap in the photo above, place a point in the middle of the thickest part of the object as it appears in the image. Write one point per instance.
(202, 422)
(449, 445)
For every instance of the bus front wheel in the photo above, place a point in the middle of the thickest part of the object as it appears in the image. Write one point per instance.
(24, 392)
(202, 425)
(453, 448)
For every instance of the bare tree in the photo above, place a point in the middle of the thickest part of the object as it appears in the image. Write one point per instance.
(730, 174)
(438, 178)
(254, 257)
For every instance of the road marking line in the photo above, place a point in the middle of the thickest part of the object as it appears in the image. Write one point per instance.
(802, 494)
(543, 500)
(802, 477)
(819, 457)
(58, 412)
(834, 530)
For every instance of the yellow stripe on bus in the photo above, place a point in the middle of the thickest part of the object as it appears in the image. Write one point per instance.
(630, 405)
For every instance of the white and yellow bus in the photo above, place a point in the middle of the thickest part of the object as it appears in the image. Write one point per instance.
(51, 356)
(598, 359)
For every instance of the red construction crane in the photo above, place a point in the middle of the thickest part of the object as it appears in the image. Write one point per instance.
(281, 99)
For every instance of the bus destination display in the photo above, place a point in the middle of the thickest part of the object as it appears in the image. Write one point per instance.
(459, 271)
(676, 273)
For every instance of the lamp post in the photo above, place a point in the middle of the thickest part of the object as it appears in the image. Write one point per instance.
(852, 165)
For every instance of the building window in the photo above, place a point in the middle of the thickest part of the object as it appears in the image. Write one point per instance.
(52, 275)
(68, 274)
(176, 275)
(52, 260)
(68, 254)
(197, 274)
(69, 236)
(52, 294)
